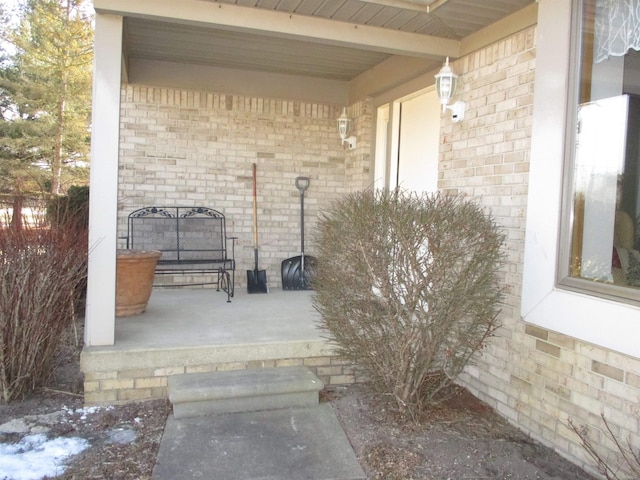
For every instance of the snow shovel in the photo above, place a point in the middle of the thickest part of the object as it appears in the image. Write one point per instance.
(298, 272)
(256, 279)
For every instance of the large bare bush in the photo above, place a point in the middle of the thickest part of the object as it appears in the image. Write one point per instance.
(407, 287)
(43, 271)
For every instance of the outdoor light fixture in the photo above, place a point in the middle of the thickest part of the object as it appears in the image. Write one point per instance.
(344, 125)
(446, 82)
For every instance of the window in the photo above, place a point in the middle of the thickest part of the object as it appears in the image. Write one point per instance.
(547, 298)
(602, 189)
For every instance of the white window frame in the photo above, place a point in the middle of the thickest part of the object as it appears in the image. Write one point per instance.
(602, 321)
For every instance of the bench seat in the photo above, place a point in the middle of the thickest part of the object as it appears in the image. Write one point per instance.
(193, 240)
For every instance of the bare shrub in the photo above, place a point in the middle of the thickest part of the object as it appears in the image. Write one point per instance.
(407, 288)
(42, 271)
(624, 467)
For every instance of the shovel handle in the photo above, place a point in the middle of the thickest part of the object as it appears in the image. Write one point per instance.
(255, 211)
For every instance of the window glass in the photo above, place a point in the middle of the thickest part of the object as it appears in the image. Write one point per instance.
(605, 177)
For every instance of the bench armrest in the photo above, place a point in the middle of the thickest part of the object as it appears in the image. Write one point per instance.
(233, 247)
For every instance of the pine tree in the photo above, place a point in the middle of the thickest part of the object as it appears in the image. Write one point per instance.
(46, 89)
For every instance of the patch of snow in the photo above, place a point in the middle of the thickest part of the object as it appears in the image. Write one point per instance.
(35, 457)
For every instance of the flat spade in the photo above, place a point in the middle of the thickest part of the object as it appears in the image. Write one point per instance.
(256, 279)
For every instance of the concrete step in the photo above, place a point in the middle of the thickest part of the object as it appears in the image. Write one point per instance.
(200, 394)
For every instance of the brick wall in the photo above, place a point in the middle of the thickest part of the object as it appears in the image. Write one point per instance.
(109, 387)
(536, 378)
(181, 147)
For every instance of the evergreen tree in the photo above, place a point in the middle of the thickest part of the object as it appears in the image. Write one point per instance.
(22, 133)
(45, 92)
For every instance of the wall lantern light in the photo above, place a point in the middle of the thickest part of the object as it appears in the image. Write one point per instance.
(446, 83)
(344, 126)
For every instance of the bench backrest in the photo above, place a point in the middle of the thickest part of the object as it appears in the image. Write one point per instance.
(180, 233)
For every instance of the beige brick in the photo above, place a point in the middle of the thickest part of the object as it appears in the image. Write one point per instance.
(340, 361)
(329, 371)
(91, 387)
(134, 394)
(200, 368)
(91, 376)
(225, 367)
(585, 402)
(559, 390)
(289, 362)
(623, 391)
(633, 379)
(551, 367)
(165, 372)
(159, 392)
(116, 384)
(623, 362)
(520, 384)
(563, 341)
(151, 382)
(548, 348)
(537, 332)
(607, 370)
(318, 361)
(341, 379)
(101, 397)
(136, 373)
(261, 364)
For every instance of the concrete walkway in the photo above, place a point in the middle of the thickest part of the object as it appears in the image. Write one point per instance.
(286, 444)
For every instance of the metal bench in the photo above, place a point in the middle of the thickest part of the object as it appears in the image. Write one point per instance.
(193, 241)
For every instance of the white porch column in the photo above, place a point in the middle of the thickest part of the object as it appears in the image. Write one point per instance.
(101, 288)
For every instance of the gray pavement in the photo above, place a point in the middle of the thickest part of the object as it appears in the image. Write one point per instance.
(287, 444)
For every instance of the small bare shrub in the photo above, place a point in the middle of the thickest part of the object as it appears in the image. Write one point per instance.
(407, 288)
(627, 464)
(41, 270)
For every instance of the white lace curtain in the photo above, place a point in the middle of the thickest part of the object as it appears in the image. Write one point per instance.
(617, 28)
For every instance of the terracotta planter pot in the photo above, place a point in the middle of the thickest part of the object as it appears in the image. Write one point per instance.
(134, 279)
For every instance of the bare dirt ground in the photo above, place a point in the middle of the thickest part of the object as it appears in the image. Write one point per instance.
(462, 439)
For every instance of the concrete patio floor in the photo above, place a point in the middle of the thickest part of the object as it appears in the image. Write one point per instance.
(177, 317)
(196, 330)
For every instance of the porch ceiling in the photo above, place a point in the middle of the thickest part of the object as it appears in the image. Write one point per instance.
(331, 39)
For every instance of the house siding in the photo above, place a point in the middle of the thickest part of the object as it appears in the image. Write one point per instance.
(181, 147)
(538, 379)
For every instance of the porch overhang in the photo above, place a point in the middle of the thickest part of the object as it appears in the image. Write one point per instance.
(284, 25)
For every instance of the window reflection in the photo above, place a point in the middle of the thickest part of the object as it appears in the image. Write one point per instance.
(606, 173)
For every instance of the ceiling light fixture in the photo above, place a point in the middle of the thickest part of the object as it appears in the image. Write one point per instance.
(446, 83)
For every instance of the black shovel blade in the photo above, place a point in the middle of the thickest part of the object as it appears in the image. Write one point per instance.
(297, 277)
(257, 281)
